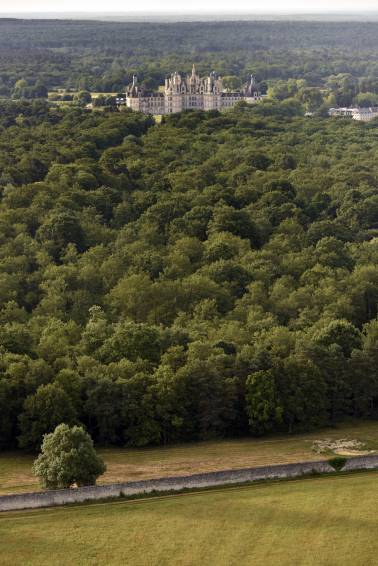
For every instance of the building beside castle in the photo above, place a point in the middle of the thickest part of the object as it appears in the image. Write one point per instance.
(361, 114)
(187, 93)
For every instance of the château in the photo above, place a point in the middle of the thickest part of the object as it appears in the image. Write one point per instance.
(189, 92)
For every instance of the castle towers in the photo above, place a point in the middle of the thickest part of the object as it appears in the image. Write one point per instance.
(193, 84)
(189, 92)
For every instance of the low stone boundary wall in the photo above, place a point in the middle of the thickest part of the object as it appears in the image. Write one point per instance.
(77, 495)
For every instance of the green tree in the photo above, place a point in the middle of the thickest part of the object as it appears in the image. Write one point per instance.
(132, 341)
(42, 412)
(83, 97)
(341, 333)
(59, 229)
(103, 411)
(366, 99)
(7, 414)
(231, 82)
(263, 405)
(68, 457)
(303, 393)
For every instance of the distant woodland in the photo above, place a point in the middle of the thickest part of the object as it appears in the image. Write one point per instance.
(331, 63)
(213, 275)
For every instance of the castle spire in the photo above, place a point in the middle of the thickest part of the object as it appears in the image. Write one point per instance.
(133, 89)
(193, 70)
(251, 89)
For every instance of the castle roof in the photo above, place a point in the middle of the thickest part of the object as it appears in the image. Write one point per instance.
(251, 87)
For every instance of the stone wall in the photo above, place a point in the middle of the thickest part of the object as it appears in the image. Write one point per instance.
(63, 496)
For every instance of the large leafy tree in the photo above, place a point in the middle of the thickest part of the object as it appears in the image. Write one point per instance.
(68, 457)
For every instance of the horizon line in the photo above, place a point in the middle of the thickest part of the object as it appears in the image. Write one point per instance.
(192, 16)
(209, 12)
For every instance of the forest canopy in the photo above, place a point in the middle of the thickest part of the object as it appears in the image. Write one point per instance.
(212, 275)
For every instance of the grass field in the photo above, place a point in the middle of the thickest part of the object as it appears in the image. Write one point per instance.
(326, 521)
(185, 459)
(126, 464)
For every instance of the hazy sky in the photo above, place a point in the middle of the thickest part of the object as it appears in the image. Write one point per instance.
(193, 5)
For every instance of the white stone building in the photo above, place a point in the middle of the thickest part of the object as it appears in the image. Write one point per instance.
(187, 93)
(362, 114)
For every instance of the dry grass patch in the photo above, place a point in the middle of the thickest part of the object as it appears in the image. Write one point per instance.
(133, 464)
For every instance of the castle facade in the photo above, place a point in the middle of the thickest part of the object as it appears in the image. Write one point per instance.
(187, 93)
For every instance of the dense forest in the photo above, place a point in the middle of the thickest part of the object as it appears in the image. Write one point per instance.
(212, 275)
(322, 64)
